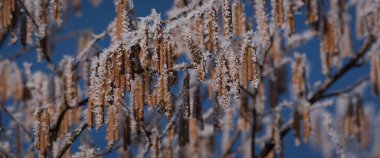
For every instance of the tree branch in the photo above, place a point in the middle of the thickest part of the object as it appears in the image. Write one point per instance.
(72, 138)
(17, 122)
(328, 83)
(343, 70)
(346, 90)
(54, 129)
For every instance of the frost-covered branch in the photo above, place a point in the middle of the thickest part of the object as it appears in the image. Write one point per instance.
(71, 138)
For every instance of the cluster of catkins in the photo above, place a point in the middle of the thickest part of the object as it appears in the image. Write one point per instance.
(235, 66)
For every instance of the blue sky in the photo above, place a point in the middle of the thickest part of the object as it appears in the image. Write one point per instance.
(98, 18)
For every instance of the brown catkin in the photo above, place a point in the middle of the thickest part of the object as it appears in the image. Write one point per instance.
(349, 120)
(14, 31)
(198, 30)
(23, 31)
(306, 123)
(65, 125)
(158, 44)
(128, 70)
(290, 18)
(57, 11)
(138, 97)
(38, 129)
(297, 116)
(278, 13)
(7, 8)
(127, 132)
(76, 115)
(184, 113)
(194, 140)
(155, 146)
(30, 30)
(227, 19)
(168, 105)
(238, 18)
(90, 113)
(170, 139)
(43, 134)
(208, 33)
(277, 131)
(214, 26)
(4, 70)
(375, 72)
(247, 65)
(299, 74)
(111, 127)
(197, 105)
(312, 11)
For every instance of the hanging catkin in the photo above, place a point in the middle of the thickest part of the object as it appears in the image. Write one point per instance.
(23, 31)
(119, 19)
(138, 102)
(128, 69)
(56, 10)
(375, 72)
(158, 49)
(127, 132)
(277, 132)
(227, 19)
(197, 105)
(70, 80)
(214, 27)
(14, 24)
(299, 74)
(247, 63)
(183, 130)
(297, 116)
(7, 7)
(312, 11)
(42, 127)
(196, 54)
(289, 8)
(278, 12)
(111, 126)
(306, 123)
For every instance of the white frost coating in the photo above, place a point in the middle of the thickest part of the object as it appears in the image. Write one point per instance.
(262, 23)
(36, 130)
(298, 39)
(5, 147)
(67, 63)
(179, 22)
(96, 86)
(234, 66)
(38, 12)
(85, 152)
(332, 134)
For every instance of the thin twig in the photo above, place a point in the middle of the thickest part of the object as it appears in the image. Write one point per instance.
(72, 138)
(101, 154)
(29, 48)
(61, 115)
(17, 122)
(234, 140)
(328, 83)
(343, 70)
(346, 90)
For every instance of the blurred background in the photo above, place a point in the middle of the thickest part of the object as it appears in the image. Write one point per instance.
(97, 18)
